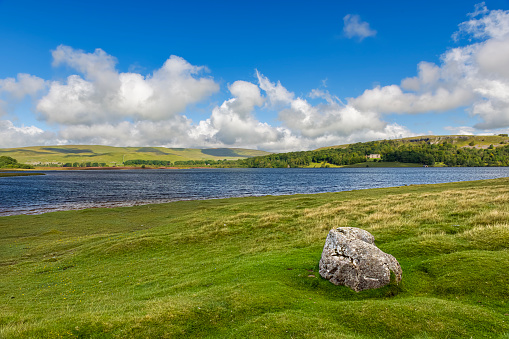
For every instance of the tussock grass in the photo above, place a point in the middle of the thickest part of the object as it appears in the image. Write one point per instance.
(249, 267)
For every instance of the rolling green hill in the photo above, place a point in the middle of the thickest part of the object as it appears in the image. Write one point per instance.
(476, 141)
(448, 150)
(115, 156)
(451, 151)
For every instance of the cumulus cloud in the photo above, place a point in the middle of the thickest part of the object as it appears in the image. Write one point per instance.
(484, 24)
(105, 95)
(234, 122)
(354, 27)
(329, 118)
(391, 99)
(89, 116)
(475, 76)
(168, 133)
(460, 130)
(24, 135)
(13, 90)
(277, 95)
(23, 85)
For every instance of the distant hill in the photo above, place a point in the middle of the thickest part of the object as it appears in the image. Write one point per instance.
(475, 141)
(115, 156)
(454, 150)
(445, 150)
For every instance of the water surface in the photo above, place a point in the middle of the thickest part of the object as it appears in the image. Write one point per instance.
(66, 190)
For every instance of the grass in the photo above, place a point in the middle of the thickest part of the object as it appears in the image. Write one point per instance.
(116, 155)
(249, 267)
(382, 164)
(17, 174)
(369, 163)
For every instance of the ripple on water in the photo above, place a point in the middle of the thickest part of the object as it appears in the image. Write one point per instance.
(73, 190)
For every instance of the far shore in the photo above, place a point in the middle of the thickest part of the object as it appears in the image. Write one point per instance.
(106, 168)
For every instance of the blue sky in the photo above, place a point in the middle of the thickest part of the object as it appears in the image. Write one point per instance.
(277, 76)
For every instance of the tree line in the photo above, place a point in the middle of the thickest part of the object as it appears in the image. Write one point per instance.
(217, 163)
(425, 153)
(8, 162)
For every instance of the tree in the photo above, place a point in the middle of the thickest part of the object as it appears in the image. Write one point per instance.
(8, 162)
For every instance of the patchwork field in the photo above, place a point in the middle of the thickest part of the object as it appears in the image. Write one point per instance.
(115, 156)
(248, 268)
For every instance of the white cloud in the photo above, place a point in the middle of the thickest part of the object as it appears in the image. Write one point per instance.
(105, 95)
(13, 136)
(391, 99)
(171, 133)
(355, 28)
(480, 9)
(234, 123)
(277, 95)
(247, 97)
(460, 130)
(493, 58)
(330, 118)
(475, 77)
(490, 24)
(24, 85)
(428, 77)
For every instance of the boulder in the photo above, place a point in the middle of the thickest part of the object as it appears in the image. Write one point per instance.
(351, 258)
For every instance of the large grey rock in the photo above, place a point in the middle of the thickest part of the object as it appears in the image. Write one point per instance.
(351, 258)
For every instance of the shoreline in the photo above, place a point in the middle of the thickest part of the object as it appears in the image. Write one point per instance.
(133, 203)
(98, 168)
(252, 267)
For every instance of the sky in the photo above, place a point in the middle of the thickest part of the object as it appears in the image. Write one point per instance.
(272, 75)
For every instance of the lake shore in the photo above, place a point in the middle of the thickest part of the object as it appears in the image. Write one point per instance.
(248, 267)
(17, 174)
(75, 190)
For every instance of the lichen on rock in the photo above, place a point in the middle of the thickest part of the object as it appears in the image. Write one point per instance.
(351, 258)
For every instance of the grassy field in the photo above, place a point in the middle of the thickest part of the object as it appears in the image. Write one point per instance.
(112, 156)
(248, 268)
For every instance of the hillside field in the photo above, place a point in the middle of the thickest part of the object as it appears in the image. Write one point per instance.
(479, 141)
(115, 156)
(248, 267)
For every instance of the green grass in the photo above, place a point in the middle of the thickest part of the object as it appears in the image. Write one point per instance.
(365, 164)
(248, 267)
(116, 155)
(382, 164)
(17, 174)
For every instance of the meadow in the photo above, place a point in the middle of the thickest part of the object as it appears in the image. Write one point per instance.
(248, 267)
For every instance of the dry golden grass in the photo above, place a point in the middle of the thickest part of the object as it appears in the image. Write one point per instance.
(492, 216)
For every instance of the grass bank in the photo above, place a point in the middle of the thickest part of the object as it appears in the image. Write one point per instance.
(249, 267)
(382, 164)
(17, 174)
(370, 163)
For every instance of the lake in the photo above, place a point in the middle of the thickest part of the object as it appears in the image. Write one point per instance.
(67, 190)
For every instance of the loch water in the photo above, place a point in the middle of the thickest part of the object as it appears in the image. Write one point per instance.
(68, 190)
